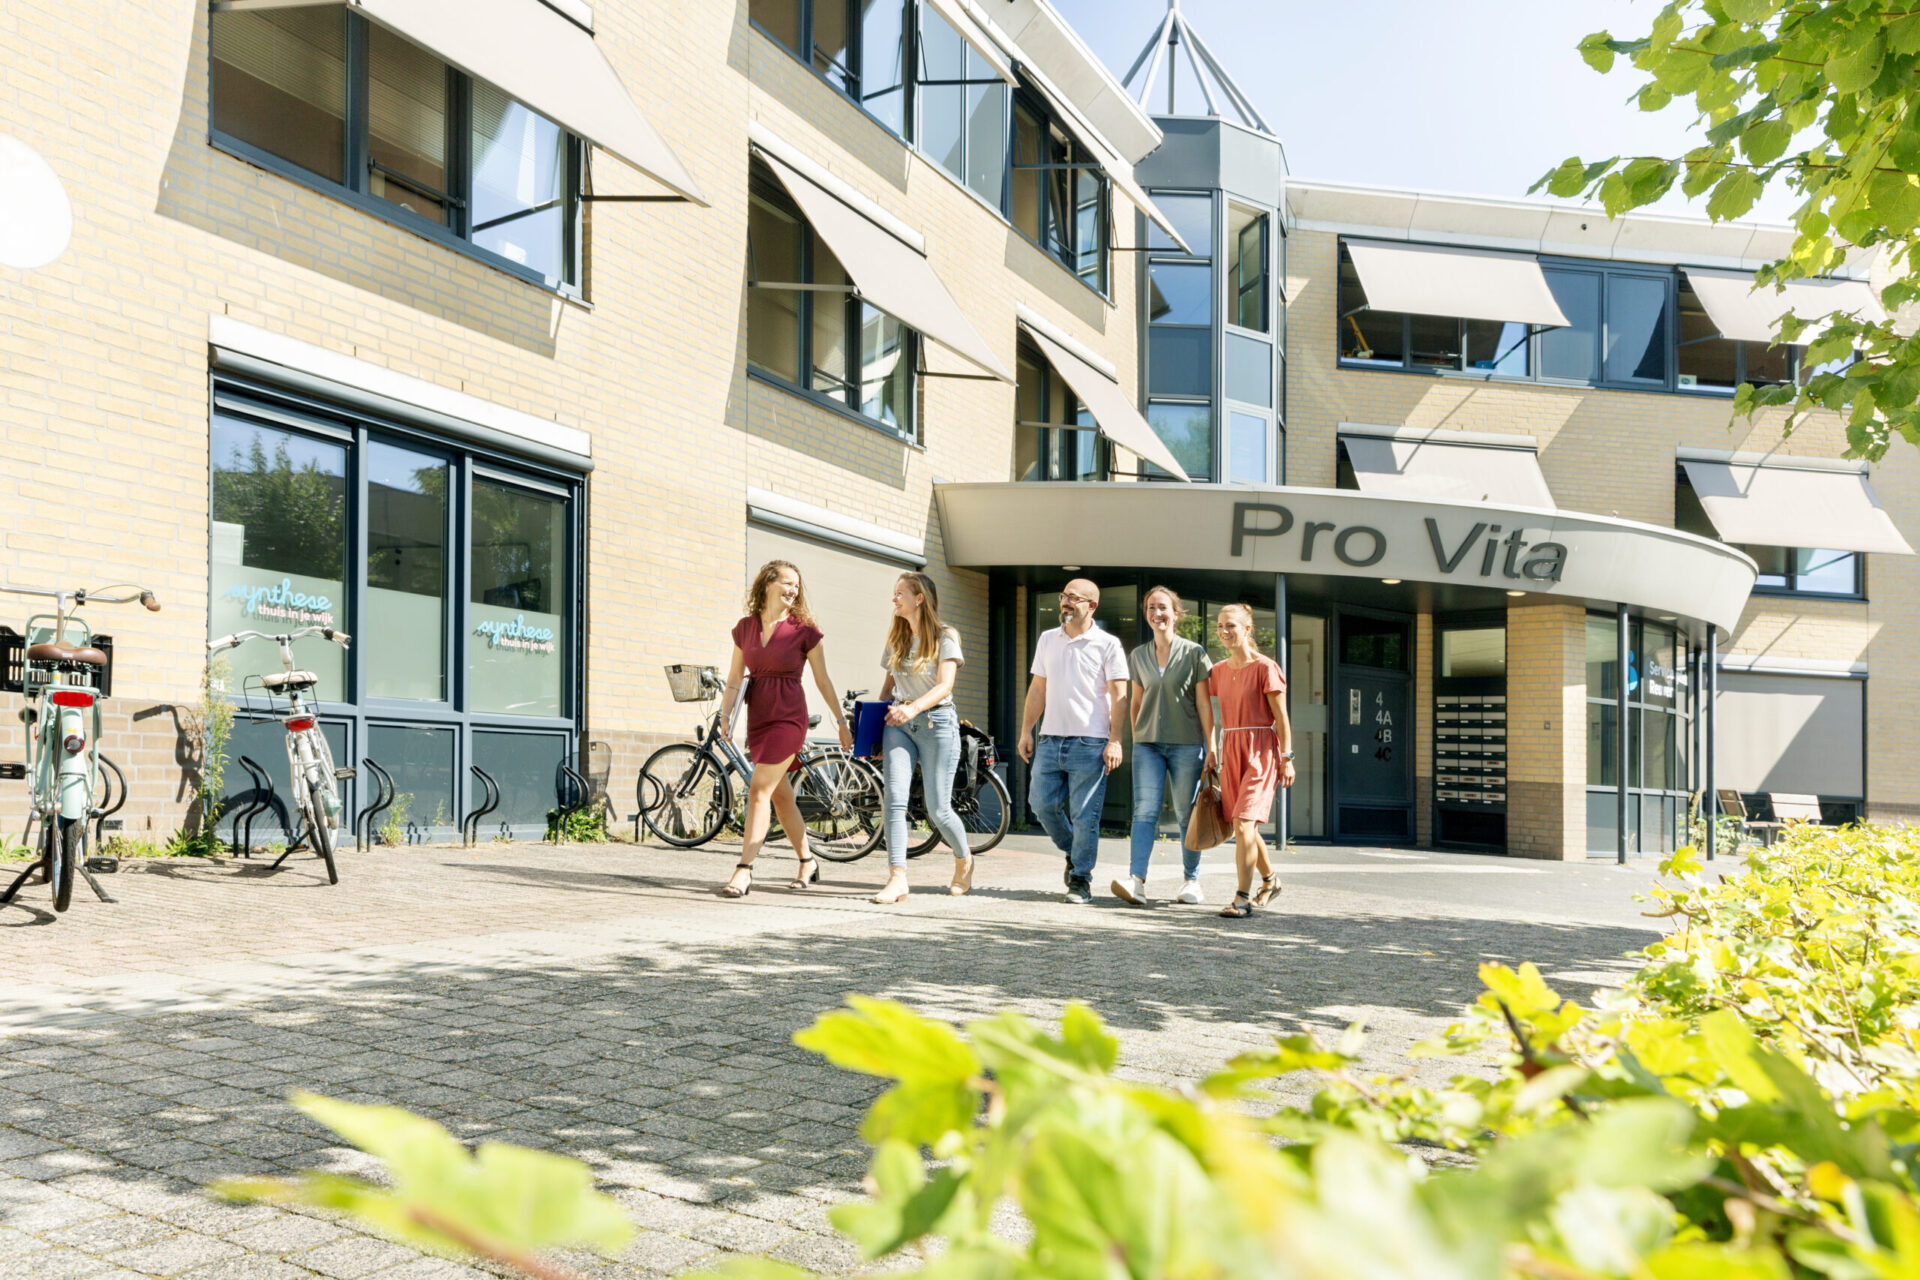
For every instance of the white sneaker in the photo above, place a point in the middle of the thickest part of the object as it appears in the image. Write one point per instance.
(1132, 890)
(1190, 893)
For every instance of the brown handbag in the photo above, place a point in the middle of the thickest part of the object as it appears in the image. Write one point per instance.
(1207, 826)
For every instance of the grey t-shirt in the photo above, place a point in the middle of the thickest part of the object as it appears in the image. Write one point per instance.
(909, 685)
(1168, 712)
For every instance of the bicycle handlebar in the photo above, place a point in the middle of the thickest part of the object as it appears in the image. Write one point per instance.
(239, 638)
(84, 597)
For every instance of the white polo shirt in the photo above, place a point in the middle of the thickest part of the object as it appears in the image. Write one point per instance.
(1078, 671)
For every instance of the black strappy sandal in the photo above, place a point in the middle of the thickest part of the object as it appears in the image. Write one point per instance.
(1240, 908)
(1269, 887)
(802, 878)
(728, 891)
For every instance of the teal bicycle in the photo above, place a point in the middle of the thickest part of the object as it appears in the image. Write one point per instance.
(64, 671)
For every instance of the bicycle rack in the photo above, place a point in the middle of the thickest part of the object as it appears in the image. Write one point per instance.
(580, 788)
(384, 794)
(641, 804)
(265, 796)
(470, 825)
(116, 791)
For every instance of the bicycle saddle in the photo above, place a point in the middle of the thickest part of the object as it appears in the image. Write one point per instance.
(290, 679)
(57, 652)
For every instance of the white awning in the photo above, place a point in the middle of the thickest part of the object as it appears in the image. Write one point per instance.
(955, 12)
(1747, 314)
(1406, 465)
(1118, 171)
(1474, 284)
(1097, 389)
(1802, 734)
(1782, 505)
(532, 53)
(885, 270)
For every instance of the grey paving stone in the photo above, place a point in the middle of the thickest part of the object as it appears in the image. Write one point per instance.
(175, 1254)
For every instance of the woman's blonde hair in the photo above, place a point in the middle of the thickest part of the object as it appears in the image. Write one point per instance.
(901, 638)
(770, 574)
(1179, 605)
(1245, 612)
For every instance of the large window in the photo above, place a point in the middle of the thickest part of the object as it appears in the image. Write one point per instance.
(819, 337)
(1059, 195)
(323, 95)
(1054, 437)
(461, 605)
(1629, 326)
(964, 106)
(1659, 710)
(858, 46)
(1181, 321)
(1247, 268)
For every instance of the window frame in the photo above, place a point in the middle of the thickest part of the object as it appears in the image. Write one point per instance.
(1048, 446)
(1686, 521)
(853, 302)
(355, 191)
(1078, 163)
(1632, 710)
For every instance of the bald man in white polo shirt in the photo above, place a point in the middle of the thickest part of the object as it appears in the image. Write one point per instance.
(1080, 684)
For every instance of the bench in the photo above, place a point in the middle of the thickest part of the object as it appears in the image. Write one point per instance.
(1788, 810)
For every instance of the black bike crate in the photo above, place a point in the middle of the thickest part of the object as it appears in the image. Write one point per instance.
(13, 663)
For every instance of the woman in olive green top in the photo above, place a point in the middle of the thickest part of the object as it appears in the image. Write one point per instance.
(1172, 740)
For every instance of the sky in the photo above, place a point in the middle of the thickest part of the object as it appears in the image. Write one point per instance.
(1479, 97)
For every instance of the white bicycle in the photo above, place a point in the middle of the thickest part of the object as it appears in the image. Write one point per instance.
(316, 782)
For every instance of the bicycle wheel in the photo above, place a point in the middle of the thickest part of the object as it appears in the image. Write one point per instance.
(71, 833)
(321, 833)
(689, 793)
(841, 802)
(986, 812)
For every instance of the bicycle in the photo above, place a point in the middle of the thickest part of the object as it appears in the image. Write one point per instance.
(316, 782)
(980, 799)
(64, 673)
(686, 791)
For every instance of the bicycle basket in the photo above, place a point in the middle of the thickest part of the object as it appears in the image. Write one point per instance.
(691, 683)
(13, 663)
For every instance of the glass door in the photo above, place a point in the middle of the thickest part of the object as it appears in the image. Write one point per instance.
(1307, 708)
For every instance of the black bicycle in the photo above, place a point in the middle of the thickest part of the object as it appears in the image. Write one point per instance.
(688, 792)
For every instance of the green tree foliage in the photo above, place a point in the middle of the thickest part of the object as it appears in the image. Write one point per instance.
(1825, 98)
(295, 516)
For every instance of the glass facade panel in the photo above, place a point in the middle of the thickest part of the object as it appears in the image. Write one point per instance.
(886, 371)
(776, 240)
(1603, 658)
(883, 61)
(517, 642)
(1377, 337)
(1187, 430)
(407, 115)
(426, 800)
(986, 172)
(1193, 215)
(1827, 572)
(518, 197)
(1573, 352)
(829, 306)
(1380, 643)
(279, 83)
(1248, 446)
(526, 768)
(405, 630)
(1249, 370)
(1307, 709)
(1179, 361)
(1603, 736)
(1705, 359)
(1090, 223)
(943, 57)
(1180, 293)
(1433, 342)
(1496, 347)
(1247, 268)
(1636, 329)
(278, 549)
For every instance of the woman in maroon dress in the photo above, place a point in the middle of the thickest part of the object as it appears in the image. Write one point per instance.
(771, 644)
(1256, 751)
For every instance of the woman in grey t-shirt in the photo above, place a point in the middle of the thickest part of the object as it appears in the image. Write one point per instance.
(922, 660)
(1172, 733)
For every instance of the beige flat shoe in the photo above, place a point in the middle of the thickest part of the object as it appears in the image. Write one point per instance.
(887, 898)
(962, 877)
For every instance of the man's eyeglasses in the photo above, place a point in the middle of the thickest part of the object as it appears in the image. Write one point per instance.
(1069, 597)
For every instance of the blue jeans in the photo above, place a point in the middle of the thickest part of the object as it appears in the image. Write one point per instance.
(933, 738)
(1154, 763)
(1068, 786)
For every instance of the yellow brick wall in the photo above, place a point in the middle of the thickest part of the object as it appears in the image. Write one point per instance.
(104, 364)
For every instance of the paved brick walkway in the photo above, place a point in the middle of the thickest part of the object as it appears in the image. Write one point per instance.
(602, 1002)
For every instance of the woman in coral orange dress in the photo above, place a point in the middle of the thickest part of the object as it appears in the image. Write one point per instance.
(1256, 751)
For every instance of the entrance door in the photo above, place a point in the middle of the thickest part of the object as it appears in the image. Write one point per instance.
(1372, 732)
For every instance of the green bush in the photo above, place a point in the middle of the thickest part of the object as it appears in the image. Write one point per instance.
(1743, 1108)
(578, 826)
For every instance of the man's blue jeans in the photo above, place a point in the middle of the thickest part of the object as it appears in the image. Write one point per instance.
(1068, 786)
(1157, 768)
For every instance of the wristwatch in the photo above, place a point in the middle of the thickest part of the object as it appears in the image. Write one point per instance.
(1286, 755)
